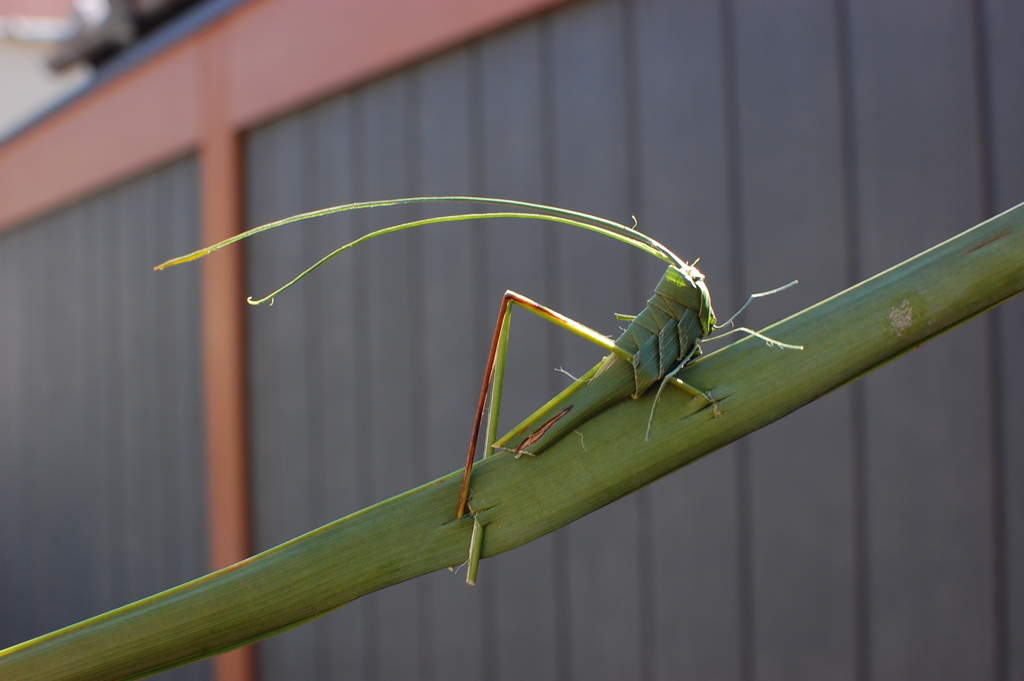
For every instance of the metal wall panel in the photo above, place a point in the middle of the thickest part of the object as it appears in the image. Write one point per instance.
(525, 592)
(1003, 102)
(929, 543)
(799, 516)
(101, 433)
(874, 534)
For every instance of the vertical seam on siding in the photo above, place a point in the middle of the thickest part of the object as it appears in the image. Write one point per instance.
(480, 249)
(858, 411)
(734, 217)
(313, 339)
(634, 169)
(361, 371)
(560, 542)
(418, 354)
(997, 454)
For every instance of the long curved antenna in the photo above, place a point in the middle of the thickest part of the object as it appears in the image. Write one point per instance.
(743, 307)
(452, 218)
(598, 224)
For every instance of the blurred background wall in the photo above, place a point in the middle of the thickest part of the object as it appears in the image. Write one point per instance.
(875, 534)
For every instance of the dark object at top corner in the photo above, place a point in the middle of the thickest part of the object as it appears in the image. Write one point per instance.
(127, 22)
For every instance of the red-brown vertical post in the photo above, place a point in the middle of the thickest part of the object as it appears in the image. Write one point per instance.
(223, 335)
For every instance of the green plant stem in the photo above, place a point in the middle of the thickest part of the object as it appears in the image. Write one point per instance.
(517, 501)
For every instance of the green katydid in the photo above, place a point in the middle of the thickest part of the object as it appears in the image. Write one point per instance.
(656, 344)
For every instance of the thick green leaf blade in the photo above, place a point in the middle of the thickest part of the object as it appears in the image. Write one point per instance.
(415, 533)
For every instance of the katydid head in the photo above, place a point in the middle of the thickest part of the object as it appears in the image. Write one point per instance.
(692, 288)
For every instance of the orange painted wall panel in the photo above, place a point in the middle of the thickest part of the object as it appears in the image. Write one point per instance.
(279, 55)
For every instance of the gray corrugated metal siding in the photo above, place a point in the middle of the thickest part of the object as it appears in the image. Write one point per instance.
(102, 482)
(874, 534)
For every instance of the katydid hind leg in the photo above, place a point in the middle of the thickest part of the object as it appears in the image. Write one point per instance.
(495, 360)
(495, 375)
(496, 368)
(494, 378)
